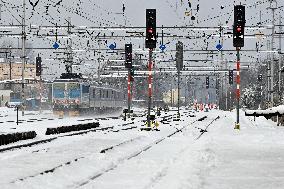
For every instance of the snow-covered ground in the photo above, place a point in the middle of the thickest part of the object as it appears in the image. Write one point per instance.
(221, 158)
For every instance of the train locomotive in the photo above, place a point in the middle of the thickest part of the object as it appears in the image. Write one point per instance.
(75, 97)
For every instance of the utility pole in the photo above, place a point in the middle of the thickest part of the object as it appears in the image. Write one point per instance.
(187, 90)
(179, 65)
(218, 97)
(222, 61)
(227, 83)
(268, 74)
(10, 65)
(280, 61)
(99, 61)
(171, 93)
(273, 7)
(69, 61)
(23, 55)
(0, 11)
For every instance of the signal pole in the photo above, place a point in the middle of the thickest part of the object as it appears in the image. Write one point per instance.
(23, 55)
(237, 126)
(129, 91)
(149, 87)
(238, 42)
(179, 92)
(40, 95)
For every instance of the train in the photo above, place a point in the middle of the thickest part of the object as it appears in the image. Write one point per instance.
(74, 97)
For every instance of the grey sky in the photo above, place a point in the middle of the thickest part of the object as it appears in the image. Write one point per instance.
(108, 13)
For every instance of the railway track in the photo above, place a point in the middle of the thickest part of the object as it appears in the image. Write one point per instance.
(202, 131)
(136, 153)
(51, 170)
(124, 127)
(164, 119)
(107, 150)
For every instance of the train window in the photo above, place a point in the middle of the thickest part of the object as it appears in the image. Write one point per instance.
(107, 94)
(85, 88)
(100, 93)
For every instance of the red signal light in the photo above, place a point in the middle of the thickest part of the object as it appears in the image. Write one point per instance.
(150, 30)
(239, 29)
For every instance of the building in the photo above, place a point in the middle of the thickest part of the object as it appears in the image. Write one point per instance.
(13, 71)
(16, 71)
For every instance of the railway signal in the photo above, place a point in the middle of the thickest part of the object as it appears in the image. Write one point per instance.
(217, 86)
(231, 77)
(207, 82)
(238, 42)
(38, 66)
(179, 55)
(150, 43)
(259, 78)
(151, 36)
(239, 26)
(128, 65)
(128, 56)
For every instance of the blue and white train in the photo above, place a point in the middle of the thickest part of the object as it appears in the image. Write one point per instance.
(73, 97)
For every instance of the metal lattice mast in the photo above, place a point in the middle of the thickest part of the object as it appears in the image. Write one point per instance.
(273, 7)
(69, 52)
(280, 61)
(23, 54)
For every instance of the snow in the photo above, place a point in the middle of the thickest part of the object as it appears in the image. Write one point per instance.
(222, 157)
(278, 109)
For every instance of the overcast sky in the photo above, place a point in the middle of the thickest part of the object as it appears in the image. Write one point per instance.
(210, 13)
